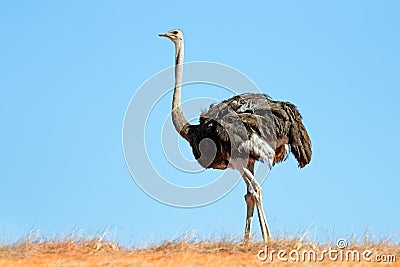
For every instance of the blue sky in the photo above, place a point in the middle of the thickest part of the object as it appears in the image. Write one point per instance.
(68, 71)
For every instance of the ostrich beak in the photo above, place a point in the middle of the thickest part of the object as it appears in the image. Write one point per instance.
(166, 35)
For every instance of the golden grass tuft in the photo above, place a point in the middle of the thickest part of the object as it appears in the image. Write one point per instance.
(179, 252)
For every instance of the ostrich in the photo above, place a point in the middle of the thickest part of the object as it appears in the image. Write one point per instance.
(239, 131)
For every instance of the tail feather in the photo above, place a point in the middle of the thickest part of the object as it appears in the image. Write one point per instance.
(300, 143)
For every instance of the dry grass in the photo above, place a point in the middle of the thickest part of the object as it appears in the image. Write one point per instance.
(180, 252)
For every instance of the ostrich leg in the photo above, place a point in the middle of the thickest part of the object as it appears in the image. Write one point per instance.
(249, 215)
(250, 201)
(263, 220)
(256, 192)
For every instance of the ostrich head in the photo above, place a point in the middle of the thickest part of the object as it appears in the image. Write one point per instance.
(175, 36)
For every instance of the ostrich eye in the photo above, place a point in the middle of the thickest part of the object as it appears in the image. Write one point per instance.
(175, 32)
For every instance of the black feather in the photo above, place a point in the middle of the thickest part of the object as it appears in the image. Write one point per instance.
(232, 122)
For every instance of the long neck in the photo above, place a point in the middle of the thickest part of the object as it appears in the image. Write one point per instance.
(180, 123)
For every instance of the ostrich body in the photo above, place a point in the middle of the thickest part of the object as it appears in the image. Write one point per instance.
(239, 131)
